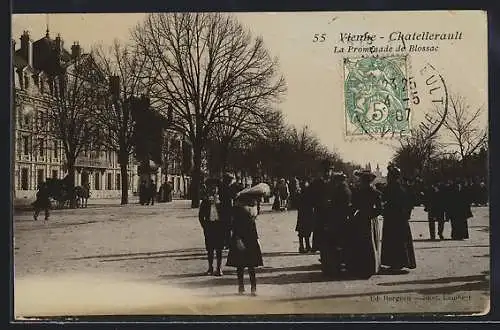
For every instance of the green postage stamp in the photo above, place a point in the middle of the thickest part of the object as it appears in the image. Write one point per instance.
(376, 96)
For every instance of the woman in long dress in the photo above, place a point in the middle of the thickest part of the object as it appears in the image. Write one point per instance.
(397, 243)
(244, 247)
(364, 250)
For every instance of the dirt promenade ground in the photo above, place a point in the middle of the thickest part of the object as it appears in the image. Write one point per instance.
(112, 259)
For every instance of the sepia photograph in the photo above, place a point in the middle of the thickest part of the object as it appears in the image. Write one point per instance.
(250, 163)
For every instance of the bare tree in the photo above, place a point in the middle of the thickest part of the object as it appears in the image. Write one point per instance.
(467, 133)
(416, 153)
(206, 65)
(125, 68)
(74, 88)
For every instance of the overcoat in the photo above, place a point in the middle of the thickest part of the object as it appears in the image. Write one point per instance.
(244, 247)
(397, 243)
(364, 237)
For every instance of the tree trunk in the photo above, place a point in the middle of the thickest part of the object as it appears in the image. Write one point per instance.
(124, 178)
(71, 182)
(196, 177)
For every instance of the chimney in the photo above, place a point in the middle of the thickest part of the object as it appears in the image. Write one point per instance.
(75, 50)
(27, 48)
(59, 44)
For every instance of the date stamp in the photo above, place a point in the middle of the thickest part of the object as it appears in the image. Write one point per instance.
(376, 96)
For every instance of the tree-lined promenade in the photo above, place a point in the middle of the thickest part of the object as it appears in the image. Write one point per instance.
(208, 79)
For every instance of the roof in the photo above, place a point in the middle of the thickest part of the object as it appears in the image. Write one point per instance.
(19, 61)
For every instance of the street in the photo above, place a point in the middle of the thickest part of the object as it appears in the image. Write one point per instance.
(133, 259)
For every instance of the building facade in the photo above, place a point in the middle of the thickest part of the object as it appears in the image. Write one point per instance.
(37, 154)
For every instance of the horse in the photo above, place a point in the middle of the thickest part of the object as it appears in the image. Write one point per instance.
(82, 194)
(60, 190)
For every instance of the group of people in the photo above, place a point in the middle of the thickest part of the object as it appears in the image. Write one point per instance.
(343, 222)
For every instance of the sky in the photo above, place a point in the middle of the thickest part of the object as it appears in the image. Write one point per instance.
(313, 72)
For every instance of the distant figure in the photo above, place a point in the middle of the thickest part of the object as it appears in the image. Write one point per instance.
(42, 202)
(152, 192)
(434, 201)
(305, 220)
(459, 211)
(283, 193)
(143, 192)
(168, 191)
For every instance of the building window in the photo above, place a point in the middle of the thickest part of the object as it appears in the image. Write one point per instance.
(27, 119)
(26, 81)
(26, 145)
(109, 181)
(40, 147)
(56, 149)
(21, 117)
(24, 179)
(40, 176)
(54, 174)
(97, 183)
(118, 182)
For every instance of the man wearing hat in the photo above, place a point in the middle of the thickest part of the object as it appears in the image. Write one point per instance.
(228, 191)
(364, 250)
(331, 210)
(397, 242)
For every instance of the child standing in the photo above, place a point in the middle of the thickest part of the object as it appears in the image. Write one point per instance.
(244, 248)
(213, 227)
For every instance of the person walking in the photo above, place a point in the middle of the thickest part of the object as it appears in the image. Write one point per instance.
(364, 240)
(305, 220)
(397, 243)
(42, 202)
(212, 225)
(434, 201)
(244, 249)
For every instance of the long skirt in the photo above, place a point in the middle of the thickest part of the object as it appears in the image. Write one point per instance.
(459, 228)
(364, 247)
(397, 244)
(249, 256)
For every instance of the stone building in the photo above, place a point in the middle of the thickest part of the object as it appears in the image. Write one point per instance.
(37, 155)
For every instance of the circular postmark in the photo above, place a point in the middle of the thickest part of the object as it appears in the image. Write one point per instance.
(383, 98)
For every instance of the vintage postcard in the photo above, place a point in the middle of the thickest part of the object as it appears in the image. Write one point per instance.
(250, 163)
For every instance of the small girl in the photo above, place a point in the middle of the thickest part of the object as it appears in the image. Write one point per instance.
(213, 228)
(244, 248)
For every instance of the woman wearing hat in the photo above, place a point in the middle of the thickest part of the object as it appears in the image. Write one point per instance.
(244, 248)
(213, 227)
(364, 251)
(397, 242)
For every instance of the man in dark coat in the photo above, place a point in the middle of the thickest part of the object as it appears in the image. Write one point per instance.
(42, 202)
(397, 242)
(322, 197)
(459, 211)
(335, 239)
(305, 220)
(434, 201)
(228, 191)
